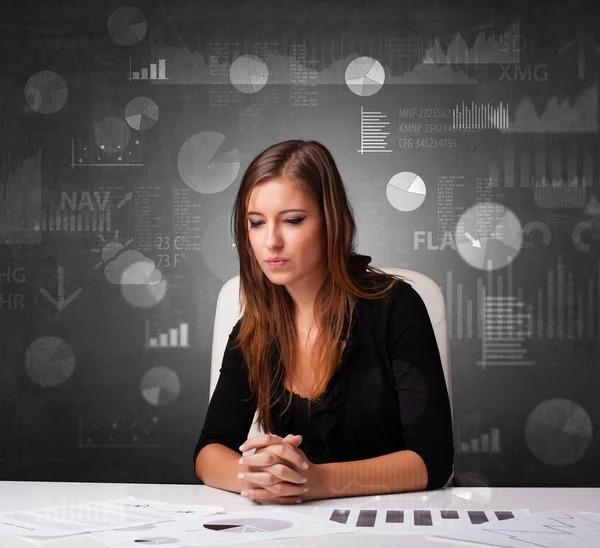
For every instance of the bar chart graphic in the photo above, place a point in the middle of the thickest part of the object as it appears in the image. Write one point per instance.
(55, 219)
(156, 70)
(486, 442)
(372, 136)
(502, 318)
(523, 162)
(173, 337)
(414, 521)
(477, 117)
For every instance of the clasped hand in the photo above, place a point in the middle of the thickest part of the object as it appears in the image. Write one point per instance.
(278, 471)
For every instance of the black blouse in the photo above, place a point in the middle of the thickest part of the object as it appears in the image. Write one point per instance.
(387, 394)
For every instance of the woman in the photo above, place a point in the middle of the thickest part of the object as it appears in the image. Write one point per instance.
(351, 407)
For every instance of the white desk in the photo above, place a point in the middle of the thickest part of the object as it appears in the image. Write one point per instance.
(15, 495)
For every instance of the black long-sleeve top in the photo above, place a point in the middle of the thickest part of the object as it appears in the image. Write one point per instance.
(387, 394)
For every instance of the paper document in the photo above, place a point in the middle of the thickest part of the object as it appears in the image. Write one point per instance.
(414, 522)
(226, 529)
(549, 529)
(95, 516)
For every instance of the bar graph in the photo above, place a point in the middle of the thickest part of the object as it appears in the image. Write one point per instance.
(503, 320)
(173, 337)
(568, 315)
(372, 136)
(154, 71)
(480, 116)
(56, 219)
(486, 442)
(562, 183)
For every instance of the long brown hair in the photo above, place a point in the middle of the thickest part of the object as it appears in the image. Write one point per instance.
(268, 322)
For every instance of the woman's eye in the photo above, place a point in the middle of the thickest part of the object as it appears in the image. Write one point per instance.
(290, 221)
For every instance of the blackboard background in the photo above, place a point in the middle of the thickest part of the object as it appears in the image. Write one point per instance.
(97, 423)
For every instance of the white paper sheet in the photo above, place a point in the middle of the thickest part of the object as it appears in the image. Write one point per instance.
(229, 528)
(549, 529)
(408, 521)
(60, 521)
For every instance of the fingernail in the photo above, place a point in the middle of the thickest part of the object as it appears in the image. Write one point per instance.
(304, 480)
(244, 493)
(240, 475)
(305, 465)
(242, 447)
(241, 461)
(305, 489)
(298, 501)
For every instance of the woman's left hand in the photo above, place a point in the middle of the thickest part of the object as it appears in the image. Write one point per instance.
(266, 466)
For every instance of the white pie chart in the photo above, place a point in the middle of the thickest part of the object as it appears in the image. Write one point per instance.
(406, 191)
(206, 164)
(496, 229)
(365, 76)
(249, 74)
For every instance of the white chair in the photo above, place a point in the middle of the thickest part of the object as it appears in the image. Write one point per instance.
(228, 313)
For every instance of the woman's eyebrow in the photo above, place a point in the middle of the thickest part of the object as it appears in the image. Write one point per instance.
(284, 211)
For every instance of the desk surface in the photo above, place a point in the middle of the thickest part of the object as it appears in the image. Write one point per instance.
(15, 495)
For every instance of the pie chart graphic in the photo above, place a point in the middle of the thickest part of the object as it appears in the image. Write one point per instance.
(141, 113)
(46, 92)
(406, 191)
(157, 540)
(365, 76)
(206, 165)
(160, 386)
(495, 228)
(249, 73)
(248, 525)
(127, 26)
(49, 361)
(144, 295)
(559, 432)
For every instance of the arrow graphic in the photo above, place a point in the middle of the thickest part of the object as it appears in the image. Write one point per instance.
(580, 39)
(61, 303)
(125, 199)
(473, 240)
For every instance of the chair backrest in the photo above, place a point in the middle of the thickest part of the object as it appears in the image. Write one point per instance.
(228, 313)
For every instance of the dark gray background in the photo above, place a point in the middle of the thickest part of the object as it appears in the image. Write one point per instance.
(94, 423)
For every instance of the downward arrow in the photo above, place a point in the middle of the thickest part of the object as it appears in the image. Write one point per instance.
(473, 240)
(61, 303)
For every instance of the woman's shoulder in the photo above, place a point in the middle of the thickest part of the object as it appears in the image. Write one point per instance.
(400, 297)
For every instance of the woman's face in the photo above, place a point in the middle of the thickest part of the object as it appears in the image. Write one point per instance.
(297, 235)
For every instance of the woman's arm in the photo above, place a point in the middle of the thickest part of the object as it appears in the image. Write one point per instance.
(391, 473)
(228, 420)
(424, 404)
(218, 466)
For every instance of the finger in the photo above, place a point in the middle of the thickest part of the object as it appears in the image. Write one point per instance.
(293, 439)
(266, 495)
(260, 441)
(273, 474)
(292, 455)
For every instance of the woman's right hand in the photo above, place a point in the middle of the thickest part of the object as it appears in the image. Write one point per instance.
(282, 472)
